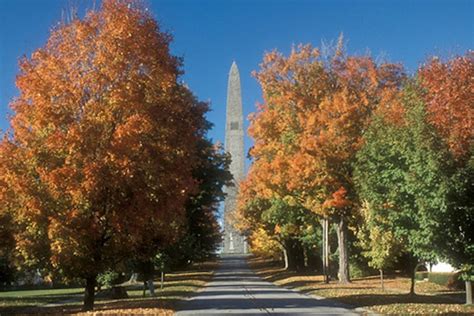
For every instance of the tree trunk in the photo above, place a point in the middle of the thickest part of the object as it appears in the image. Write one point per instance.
(327, 251)
(468, 293)
(323, 253)
(305, 257)
(325, 224)
(381, 280)
(162, 280)
(412, 277)
(285, 257)
(89, 294)
(290, 255)
(295, 254)
(133, 278)
(151, 287)
(312, 260)
(343, 253)
(412, 286)
(299, 255)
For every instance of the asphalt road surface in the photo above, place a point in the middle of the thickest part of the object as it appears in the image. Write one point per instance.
(235, 289)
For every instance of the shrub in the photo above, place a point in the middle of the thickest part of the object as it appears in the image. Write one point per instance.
(449, 279)
(360, 269)
(355, 271)
(421, 275)
(7, 273)
(109, 278)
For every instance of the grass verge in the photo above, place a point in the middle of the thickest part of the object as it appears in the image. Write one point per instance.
(177, 286)
(366, 292)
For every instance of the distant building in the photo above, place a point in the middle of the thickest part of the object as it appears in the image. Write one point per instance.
(442, 267)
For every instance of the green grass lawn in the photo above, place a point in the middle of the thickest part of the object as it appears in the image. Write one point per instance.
(177, 286)
(12, 301)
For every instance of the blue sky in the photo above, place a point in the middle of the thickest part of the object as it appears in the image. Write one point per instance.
(211, 34)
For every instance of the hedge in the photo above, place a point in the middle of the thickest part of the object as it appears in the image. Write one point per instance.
(449, 279)
(421, 275)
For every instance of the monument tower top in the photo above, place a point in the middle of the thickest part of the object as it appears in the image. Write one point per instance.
(234, 131)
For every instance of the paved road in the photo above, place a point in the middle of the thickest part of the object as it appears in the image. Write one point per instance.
(235, 289)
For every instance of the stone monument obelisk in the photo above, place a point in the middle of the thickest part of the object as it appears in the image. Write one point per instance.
(234, 144)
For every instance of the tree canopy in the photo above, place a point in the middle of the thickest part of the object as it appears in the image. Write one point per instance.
(103, 145)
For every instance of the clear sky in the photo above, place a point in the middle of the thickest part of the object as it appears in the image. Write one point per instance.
(211, 34)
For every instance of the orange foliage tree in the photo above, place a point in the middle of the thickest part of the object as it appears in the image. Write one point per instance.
(450, 101)
(102, 145)
(263, 238)
(309, 128)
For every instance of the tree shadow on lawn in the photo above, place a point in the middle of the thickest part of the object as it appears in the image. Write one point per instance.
(314, 285)
(273, 277)
(259, 263)
(28, 304)
(274, 271)
(35, 305)
(139, 287)
(197, 276)
(43, 297)
(201, 271)
(367, 300)
(283, 274)
(99, 306)
(165, 302)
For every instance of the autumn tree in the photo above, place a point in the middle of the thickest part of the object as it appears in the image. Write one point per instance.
(309, 127)
(263, 245)
(449, 101)
(103, 143)
(401, 172)
(248, 218)
(25, 241)
(449, 97)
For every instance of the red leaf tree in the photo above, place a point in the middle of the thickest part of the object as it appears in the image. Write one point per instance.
(102, 145)
(450, 100)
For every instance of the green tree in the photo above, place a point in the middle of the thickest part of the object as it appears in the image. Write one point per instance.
(286, 222)
(291, 224)
(458, 226)
(449, 97)
(377, 239)
(401, 172)
(202, 232)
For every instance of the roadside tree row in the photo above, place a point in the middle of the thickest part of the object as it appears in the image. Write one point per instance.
(384, 156)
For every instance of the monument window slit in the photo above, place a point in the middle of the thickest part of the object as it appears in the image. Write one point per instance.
(234, 126)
